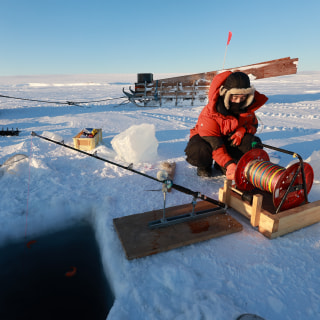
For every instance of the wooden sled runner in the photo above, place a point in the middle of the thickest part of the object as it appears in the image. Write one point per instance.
(193, 89)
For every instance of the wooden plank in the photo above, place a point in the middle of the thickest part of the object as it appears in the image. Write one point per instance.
(272, 68)
(191, 77)
(239, 205)
(268, 224)
(179, 94)
(169, 91)
(170, 88)
(138, 240)
(233, 200)
(184, 82)
(298, 218)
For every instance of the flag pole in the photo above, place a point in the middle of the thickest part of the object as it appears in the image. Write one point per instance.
(225, 53)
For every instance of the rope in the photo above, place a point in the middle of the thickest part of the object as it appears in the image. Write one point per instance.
(70, 103)
(28, 191)
(263, 175)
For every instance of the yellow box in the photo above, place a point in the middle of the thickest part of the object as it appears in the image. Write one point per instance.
(87, 143)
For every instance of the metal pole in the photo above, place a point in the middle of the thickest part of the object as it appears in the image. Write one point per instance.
(182, 189)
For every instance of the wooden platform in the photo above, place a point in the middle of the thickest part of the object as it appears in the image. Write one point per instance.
(138, 240)
(261, 213)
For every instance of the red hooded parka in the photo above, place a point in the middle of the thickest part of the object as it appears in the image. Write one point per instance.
(213, 123)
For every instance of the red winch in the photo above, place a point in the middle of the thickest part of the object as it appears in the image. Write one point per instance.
(289, 186)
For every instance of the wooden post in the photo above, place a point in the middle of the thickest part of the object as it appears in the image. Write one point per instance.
(256, 209)
(224, 194)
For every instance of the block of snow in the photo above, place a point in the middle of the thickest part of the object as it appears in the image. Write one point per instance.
(136, 144)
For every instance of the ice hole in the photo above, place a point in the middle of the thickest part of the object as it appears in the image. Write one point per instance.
(56, 276)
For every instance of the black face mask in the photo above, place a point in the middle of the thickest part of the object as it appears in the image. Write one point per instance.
(236, 107)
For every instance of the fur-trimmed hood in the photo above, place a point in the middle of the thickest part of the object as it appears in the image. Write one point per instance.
(237, 83)
(220, 83)
(226, 93)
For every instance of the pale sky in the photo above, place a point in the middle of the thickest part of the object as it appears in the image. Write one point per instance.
(167, 36)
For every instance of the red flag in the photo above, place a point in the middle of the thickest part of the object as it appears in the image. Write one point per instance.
(229, 37)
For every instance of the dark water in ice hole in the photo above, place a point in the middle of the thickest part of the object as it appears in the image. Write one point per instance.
(34, 285)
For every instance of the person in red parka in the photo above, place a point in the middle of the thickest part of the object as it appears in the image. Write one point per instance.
(226, 126)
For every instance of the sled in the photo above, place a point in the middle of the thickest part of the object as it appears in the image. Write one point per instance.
(8, 132)
(192, 90)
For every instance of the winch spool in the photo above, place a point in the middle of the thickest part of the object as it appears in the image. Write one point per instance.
(289, 186)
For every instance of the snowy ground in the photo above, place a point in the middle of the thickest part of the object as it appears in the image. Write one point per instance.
(216, 279)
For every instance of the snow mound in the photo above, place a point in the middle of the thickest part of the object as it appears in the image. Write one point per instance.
(52, 136)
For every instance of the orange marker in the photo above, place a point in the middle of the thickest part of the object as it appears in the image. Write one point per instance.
(71, 273)
(30, 243)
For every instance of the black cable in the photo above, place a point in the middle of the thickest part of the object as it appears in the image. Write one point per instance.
(70, 103)
(177, 187)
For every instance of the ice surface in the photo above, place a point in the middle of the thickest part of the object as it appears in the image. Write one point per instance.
(217, 279)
